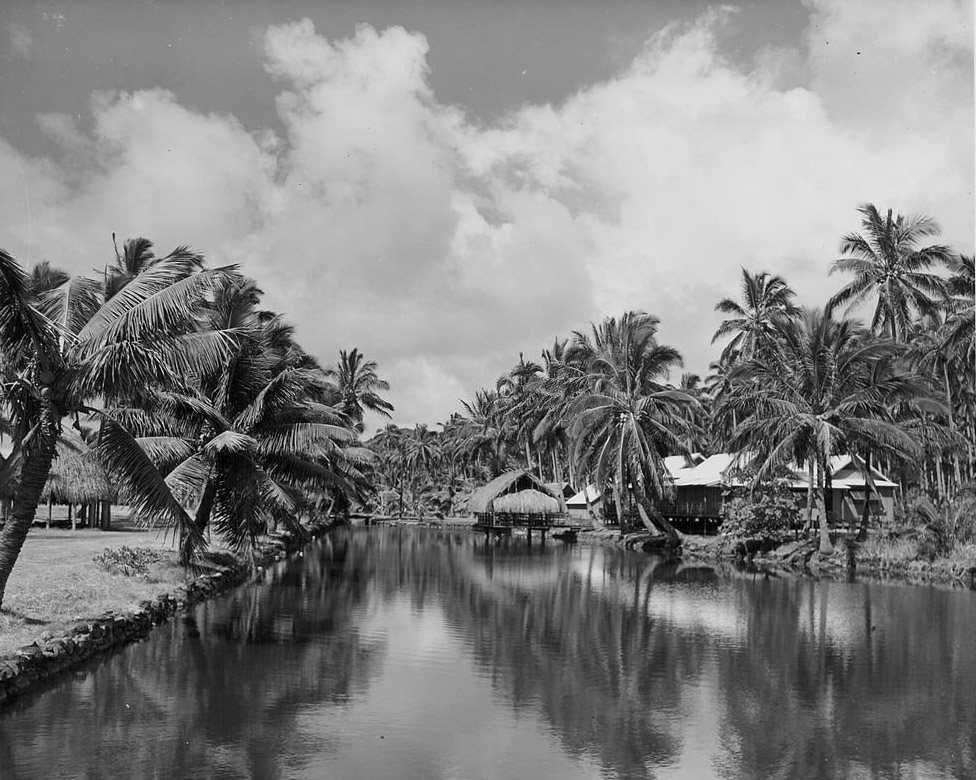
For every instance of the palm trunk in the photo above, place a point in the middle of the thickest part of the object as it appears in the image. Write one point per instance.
(952, 423)
(826, 548)
(33, 476)
(862, 534)
(661, 525)
(620, 505)
(811, 476)
(202, 517)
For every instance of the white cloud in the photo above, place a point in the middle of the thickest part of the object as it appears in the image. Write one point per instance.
(21, 41)
(442, 248)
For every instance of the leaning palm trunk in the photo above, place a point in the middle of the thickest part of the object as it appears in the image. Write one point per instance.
(659, 525)
(33, 476)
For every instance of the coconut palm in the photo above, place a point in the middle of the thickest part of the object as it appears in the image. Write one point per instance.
(764, 297)
(961, 287)
(887, 262)
(519, 405)
(249, 445)
(358, 387)
(627, 419)
(71, 347)
(819, 393)
(483, 436)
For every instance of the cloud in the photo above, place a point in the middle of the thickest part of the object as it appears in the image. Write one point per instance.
(21, 41)
(442, 246)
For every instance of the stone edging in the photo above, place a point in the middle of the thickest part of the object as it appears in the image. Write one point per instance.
(29, 667)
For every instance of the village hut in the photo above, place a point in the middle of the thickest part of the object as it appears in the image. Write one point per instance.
(516, 499)
(77, 479)
(700, 492)
(587, 500)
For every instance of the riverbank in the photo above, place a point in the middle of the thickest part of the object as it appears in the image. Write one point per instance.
(885, 560)
(63, 608)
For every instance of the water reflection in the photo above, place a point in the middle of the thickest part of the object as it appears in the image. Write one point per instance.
(397, 653)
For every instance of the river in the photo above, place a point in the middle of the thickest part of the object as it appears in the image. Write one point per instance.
(406, 653)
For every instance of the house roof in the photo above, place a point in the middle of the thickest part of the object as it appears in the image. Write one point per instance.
(713, 472)
(482, 500)
(579, 500)
(76, 476)
(529, 502)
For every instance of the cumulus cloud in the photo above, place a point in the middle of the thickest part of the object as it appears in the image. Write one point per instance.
(442, 246)
(21, 41)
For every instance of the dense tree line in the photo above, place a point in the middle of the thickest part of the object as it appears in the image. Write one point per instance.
(793, 384)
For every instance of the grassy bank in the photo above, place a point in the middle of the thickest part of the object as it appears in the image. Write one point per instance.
(56, 582)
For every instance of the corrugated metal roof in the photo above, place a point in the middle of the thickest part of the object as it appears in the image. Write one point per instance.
(579, 500)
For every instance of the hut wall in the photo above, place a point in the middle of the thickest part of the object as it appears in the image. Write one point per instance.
(694, 501)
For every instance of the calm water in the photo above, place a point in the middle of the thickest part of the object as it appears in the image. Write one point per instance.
(391, 653)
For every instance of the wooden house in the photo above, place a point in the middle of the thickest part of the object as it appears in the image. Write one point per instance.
(700, 492)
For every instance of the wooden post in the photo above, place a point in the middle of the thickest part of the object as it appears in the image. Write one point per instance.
(71, 516)
(50, 508)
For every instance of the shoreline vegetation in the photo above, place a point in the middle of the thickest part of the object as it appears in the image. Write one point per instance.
(163, 385)
(82, 593)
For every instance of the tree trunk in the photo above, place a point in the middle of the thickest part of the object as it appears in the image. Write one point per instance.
(862, 533)
(202, 517)
(660, 525)
(952, 423)
(826, 548)
(811, 476)
(33, 476)
(620, 506)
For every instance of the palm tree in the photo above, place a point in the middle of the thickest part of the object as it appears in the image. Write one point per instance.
(815, 394)
(483, 437)
(886, 261)
(250, 445)
(627, 420)
(358, 386)
(136, 256)
(43, 278)
(518, 404)
(764, 297)
(960, 324)
(71, 347)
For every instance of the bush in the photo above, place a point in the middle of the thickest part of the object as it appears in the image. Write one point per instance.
(129, 561)
(939, 529)
(766, 513)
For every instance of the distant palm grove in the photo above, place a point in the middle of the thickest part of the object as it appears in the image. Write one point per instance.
(792, 385)
(211, 420)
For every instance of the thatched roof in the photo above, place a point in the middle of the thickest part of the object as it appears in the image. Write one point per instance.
(76, 476)
(484, 499)
(527, 502)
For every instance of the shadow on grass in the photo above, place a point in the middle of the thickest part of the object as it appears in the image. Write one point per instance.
(21, 616)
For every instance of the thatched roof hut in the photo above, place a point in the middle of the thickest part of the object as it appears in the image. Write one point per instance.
(76, 476)
(499, 496)
(527, 502)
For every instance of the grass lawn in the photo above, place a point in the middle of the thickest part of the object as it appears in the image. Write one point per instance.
(56, 583)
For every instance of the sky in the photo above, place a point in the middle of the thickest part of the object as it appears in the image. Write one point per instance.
(446, 185)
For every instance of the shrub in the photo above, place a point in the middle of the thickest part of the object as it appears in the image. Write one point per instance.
(129, 561)
(940, 529)
(766, 512)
